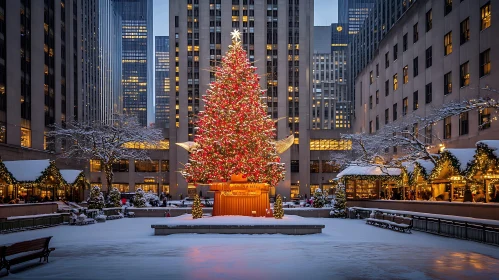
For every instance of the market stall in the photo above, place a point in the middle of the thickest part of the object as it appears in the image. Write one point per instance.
(74, 184)
(419, 186)
(484, 172)
(372, 182)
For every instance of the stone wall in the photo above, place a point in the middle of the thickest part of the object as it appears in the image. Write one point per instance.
(10, 210)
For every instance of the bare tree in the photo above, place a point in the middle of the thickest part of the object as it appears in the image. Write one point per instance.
(412, 136)
(109, 142)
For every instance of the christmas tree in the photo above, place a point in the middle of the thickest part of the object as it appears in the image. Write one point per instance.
(340, 203)
(234, 133)
(319, 199)
(278, 211)
(96, 199)
(197, 210)
(138, 198)
(114, 199)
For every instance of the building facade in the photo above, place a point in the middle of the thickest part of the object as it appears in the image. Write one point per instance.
(110, 51)
(436, 53)
(354, 12)
(137, 58)
(162, 81)
(41, 73)
(277, 36)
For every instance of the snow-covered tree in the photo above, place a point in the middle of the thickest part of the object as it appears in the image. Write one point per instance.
(151, 198)
(96, 199)
(340, 203)
(139, 199)
(121, 138)
(114, 199)
(319, 199)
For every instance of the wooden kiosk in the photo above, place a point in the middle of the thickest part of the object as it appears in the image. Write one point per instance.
(240, 197)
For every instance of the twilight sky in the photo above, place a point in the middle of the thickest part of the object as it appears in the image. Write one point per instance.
(325, 13)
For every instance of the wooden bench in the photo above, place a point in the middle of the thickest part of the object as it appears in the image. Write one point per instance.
(399, 223)
(24, 251)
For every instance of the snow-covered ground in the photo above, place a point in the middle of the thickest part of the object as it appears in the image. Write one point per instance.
(127, 249)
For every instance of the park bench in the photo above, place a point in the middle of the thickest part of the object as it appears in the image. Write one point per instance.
(24, 251)
(399, 223)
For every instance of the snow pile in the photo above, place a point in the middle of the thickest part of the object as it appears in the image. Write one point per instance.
(27, 170)
(464, 156)
(428, 165)
(369, 171)
(492, 144)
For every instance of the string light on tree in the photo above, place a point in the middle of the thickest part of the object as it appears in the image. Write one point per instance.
(197, 210)
(278, 210)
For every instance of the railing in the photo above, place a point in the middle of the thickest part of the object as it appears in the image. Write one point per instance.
(480, 230)
(32, 222)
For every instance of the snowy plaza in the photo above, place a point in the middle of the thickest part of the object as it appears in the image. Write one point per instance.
(347, 249)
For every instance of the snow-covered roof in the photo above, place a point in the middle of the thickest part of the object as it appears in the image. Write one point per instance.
(492, 144)
(464, 156)
(27, 170)
(409, 166)
(428, 165)
(70, 175)
(369, 171)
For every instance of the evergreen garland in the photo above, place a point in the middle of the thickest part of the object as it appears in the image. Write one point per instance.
(197, 210)
(278, 210)
(483, 160)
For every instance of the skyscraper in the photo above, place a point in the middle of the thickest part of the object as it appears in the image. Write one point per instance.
(277, 35)
(354, 12)
(137, 58)
(110, 47)
(40, 72)
(162, 81)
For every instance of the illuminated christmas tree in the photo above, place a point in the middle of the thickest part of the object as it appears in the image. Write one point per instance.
(96, 199)
(234, 133)
(278, 210)
(197, 210)
(340, 203)
(114, 199)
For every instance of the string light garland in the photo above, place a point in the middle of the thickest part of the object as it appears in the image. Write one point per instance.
(197, 210)
(446, 158)
(484, 161)
(5, 175)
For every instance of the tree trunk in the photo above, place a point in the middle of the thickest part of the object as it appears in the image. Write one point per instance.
(108, 169)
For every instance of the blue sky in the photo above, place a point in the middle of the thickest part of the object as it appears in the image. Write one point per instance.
(325, 13)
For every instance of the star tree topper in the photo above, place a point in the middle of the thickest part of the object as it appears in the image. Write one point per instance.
(236, 35)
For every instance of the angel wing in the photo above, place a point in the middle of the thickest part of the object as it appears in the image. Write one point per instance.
(190, 146)
(284, 144)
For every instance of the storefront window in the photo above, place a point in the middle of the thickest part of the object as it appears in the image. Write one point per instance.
(165, 166)
(147, 187)
(146, 166)
(95, 165)
(366, 189)
(121, 166)
(350, 189)
(312, 189)
(166, 189)
(314, 166)
(295, 191)
(25, 137)
(123, 188)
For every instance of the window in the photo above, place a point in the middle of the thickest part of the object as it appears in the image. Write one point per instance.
(415, 33)
(448, 83)
(370, 102)
(429, 20)
(387, 59)
(404, 44)
(447, 128)
(95, 165)
(377, 123)
(415, 100)
(120, 166)
(314, 166)
(377, 70)
(429, 60)
(371, 78)
(395, 52)
(146, 166)
(405, 72)
(387, 116)
(465, 74)
(295, 166)
(387, 89)
(329, 167)
(25, 137)
(485, 63)
(463, 123)
(405, 106)
(485, 16)
(395, 82)
(484, 119)
(415, 66)
(377, 97)
(429, 134)
(176, 21)
(165, 166)
(428, 93)
(371, 127)
(394, 112)
(465, 31)
(447, 7)
(448, 43)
